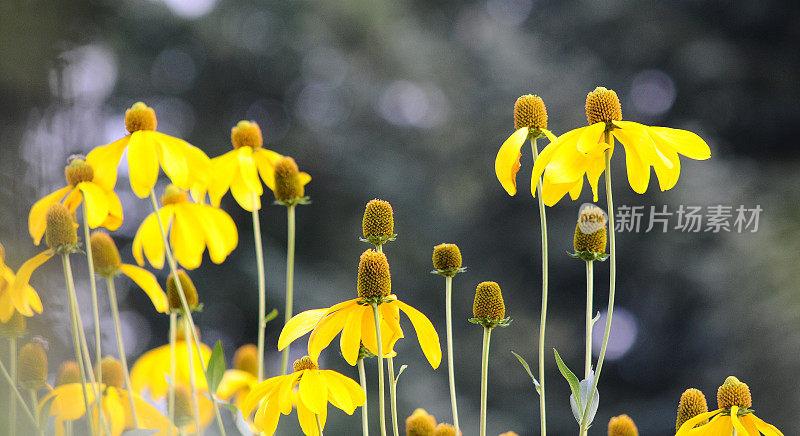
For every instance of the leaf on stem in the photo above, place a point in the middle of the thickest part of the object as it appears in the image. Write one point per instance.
(528, 370)
(216, 367)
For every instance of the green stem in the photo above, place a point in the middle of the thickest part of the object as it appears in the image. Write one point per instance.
(12, 407)
(448, 290)
(319, 425)
(112, 299)
(16, 392)
(289, 278)
(611, 285)
(589, 323)
(95, 308)
(262, 292)
(543, 312)
(35, 406)
(173, 324)
(381, 389)
(393, 396)
(186, 310)
(195, 407)
(487, 334)
(364, 415)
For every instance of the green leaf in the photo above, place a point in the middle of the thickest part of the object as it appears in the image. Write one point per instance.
(397, 377)
(216, 368)
(574, 384)
(528, 370)
(270, 316)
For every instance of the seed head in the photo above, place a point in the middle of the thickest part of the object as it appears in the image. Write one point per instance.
(420, 423)
(378, 222)
(304, 362)
(105, 254)
(33, 364)
(603, 105)
(445, 429)
(488, 301)
(173, 195)
(189, 291)
(622, 425)
(184, 415)
(287, 179)
(590, 232)
(733, 393)
(693, 403)
(246, 134)
(112, 372)
(509, 433)
(78, 171)
(246, 359)
(180, 334)
(447, 257)
(530, 112)
(374, 280)
(140, 117)
(68, 372)
(61, 230)
(14, 327)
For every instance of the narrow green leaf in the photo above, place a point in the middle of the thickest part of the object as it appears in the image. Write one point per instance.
(528, 370)
(397, 377)
(270, 316)
(216, 368)
(574, 384)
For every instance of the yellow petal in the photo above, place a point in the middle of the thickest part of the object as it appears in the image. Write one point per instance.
(426, 334)
(242, 193)
(308, 421)
(234, 381)
(345, 387)
(247, 167)
(104, 161)
(368, 336)
(593, 172)
(225, 167)
(266, 418)
(147, 281)
(506, 164)
(284, 392)
(568, 165)
(218, 228)
(638, 169)
(37, 221)
(303, 178)
(736, 424)
(185, 238)
(749, 425)
(553, 192)
(149, 416)
(265, 162)
(591, 139)
(200, 172)
(683, 141)
(142, 163)
(113, 411)
(550, 136)
(313, 390)
(327, 329)
(298, 326)
(67, 401)
(148, 238)
(19, 288)
(171, 156)
(114, 218)
(690, 423)
(549, 152)
(95, 202)
(763, 427)
(259, 392)
(641, 139)
(350, 339)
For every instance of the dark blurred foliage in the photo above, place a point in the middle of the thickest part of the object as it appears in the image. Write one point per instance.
(409, 101)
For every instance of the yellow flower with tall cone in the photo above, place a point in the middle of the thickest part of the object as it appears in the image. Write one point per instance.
(316, 388)
(66, 404)
(102, 204)
(240, 168)
(734, 412)
(581, 151)
(355, 320)
(186, 165)
(22, 299)
(192, 228)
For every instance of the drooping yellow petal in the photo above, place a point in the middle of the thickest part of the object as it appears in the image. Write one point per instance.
(242, 194)
(690, 423)
(248, 169)
(303, 178)
(151, 370)
(142, 163)
(338, 394)
(96, 203)
(763, 427)
(67, 401)
(591, 139)
(171, 155)
(351, 338)
(233, 382)
(113, 411)
(313, 390)
(149, 416)
(200, 172)
(341, 384)
(284, 392)
(640, 139)
(568, 165)
(298, 326)
(147, 281)
(683, 141)
(218, 229)
(266, 418)
(104, 161)
(553, 192)
(115, 216)
(638, 168)
(547, 155)
(327, 329)
(265, 162)
(308, 420)
(749, 425)
(148, 239)
(19, 288)
(37, 217)
(735, 421)
(506, 164)
(224, 168)
(550, 136)
(258, 392)
(426, 334)
(187, 242)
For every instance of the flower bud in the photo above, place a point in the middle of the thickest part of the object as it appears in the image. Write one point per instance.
(246, 134)
(32, 369)
(603, 105)
(420, 423)
(246, 359)
(530, 112)
(622, 425)
(374, 280)
(189, 291)
(14, 327)
(488, 302)
(287, 180)
(590, 232)
(303, 363)
(78, 171)
(112, 372)
(734, 393)
(68, 372)
(105, 255)
(445, 429)
(447, 259)
(61, 230)
(509, 433)
(692, 403)
(140, 117)
(173, 195)
(378, 222)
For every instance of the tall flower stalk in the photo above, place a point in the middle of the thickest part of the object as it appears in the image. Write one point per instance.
(95, 308)
(112, 298)
(362, 378)
(543, 312)
(289, 295)
(262, 288)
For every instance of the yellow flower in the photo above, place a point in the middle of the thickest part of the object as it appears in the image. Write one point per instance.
(68, 405)
(22, 298)
(238, 169)
(238, 381)
(734, 402)
(316, 389)
(102, 204)
(195, 226)
(581, 151)
(187, 166)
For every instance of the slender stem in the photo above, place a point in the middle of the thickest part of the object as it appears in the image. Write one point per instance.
(12, 406)
(112, 299)
(289, 278)
(611, 285)
(379, 248)
(16, 392)
(381, 389)
(188, 313)
(448, 291)
(195, 408)
(319, 425)
(543, 313)
(364, 415)
(393, 396)
(35, 408)
(262, 291)
(68, 428)
(487, 334)
(95, 309)
(173, 324)
(589, 306)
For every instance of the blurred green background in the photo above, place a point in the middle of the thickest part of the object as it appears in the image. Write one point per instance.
(409, 101)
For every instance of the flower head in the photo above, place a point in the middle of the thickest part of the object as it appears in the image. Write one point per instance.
(246, 359)
(445, 429)
(692, 403)
(189, 291)
(420, 423)
(289, 181)
(32, 367)
(447, 260)
(488, 301)
(374, 279)
(590, 233)
(246, 134)
(378, 222)
(62, 230)
(68, 372)
(622, 425)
